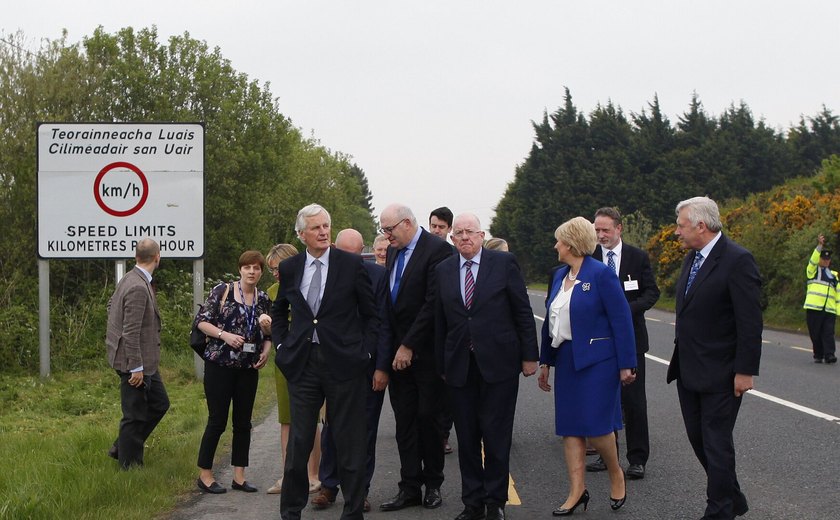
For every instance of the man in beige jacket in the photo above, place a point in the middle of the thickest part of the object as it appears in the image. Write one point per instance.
(133, 343)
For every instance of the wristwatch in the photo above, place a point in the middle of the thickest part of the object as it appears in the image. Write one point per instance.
(220, 334)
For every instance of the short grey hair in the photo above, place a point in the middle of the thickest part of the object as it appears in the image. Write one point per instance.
(402, 212)
(701, 209)
(309, 211)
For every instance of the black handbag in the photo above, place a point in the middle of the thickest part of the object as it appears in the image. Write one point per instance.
(198, 340)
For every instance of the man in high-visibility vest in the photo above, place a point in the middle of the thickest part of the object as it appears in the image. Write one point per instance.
(821, 303)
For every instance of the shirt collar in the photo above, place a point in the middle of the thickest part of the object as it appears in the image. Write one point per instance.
(616, 249)
(708, 247)
(325, 258)
(411, 245)
(146, 273)
(476, 259)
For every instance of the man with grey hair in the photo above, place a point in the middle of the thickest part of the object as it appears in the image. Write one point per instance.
(351, 241)
(322, 323)
(717, 348)
(408, 334)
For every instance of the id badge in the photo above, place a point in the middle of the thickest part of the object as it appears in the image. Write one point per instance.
(249, 348)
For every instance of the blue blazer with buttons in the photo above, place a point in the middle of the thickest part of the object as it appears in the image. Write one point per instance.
(602, 326)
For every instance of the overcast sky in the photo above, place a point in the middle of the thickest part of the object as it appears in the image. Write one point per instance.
(434, 99)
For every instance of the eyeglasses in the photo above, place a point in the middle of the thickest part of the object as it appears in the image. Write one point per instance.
(390, 229)
(465, 232)
(274, 270)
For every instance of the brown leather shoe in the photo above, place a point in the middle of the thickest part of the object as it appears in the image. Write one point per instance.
(324, 499)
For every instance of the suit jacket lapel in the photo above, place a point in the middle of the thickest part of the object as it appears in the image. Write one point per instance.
(709, 264)
(297, 280)
(484, 270)
(332, 276)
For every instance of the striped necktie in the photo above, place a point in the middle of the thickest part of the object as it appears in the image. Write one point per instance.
(469, 284)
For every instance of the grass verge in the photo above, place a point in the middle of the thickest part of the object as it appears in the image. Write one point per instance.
(55, 434)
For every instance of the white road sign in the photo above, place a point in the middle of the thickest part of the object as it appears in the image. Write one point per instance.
(104, 186)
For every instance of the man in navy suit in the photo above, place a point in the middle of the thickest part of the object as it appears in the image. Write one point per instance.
(351, 241)
(632, 266)
(717, 346)
(416, 389)
(484, 338)
(323, 321)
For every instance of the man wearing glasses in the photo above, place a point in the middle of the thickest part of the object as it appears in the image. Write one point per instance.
(408, 333)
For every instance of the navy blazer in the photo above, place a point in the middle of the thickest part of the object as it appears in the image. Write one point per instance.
(635, 266)
(410, 320)
(499, 325)
(718, 324)
(347, 320)
(600, 317)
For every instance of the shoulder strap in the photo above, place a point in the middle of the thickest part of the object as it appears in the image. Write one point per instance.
(224, 297)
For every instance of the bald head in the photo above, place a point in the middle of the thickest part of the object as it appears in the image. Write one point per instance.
(147, 254)
(350, 240)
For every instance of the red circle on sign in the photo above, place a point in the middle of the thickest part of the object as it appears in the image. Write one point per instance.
(143, 196)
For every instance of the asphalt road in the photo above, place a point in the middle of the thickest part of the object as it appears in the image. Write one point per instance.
(787, 445)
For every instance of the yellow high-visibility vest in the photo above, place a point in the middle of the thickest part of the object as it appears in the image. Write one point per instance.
(821, 294)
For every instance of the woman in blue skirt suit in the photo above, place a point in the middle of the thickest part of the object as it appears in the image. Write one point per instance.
(588, 337)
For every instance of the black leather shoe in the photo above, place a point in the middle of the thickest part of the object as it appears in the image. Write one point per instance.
(615, 505)
(818, 360)
(401, 501)
(113, 452)
(562, 511)
(432, 499)
(248, 488)
(830, 359)
(635, 472)
(495, 513)
(471, 513)
(213, 488)
(598, 465)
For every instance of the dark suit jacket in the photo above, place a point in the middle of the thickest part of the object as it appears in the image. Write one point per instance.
(133, 335)
(347, 321)
(380, 292)
(410, 321)
(718, 324)
(500, 323)
(635, 266)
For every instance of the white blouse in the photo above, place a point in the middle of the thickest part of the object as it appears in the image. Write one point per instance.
(559, 322)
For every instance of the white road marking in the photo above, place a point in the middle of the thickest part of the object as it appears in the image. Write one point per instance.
(774, 399)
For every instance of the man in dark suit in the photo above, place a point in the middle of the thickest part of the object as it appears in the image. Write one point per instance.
(323, 320)
(484, 338)
(416, 389)
(133, 344)
(632, 266)
(351, 241)
(717, 346)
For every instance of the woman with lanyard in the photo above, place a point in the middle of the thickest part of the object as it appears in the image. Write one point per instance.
(236, 350)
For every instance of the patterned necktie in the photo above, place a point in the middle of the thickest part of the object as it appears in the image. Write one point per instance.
(469, 284)
(695, 266)
(611, 262)
(313, 296)
(398, 277)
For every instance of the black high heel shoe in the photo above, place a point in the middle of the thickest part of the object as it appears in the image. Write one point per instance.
(615, 505)
(584, 499)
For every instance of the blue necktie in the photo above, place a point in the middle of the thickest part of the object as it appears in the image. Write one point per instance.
(611, 262)
(695, 266)
(398, 277)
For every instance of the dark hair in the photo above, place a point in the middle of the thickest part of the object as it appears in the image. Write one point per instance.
(443, 213)
(251, 257)
(611, 213)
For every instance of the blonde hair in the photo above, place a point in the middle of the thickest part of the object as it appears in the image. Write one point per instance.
(579, 235)
(498, 244)
(280, 252)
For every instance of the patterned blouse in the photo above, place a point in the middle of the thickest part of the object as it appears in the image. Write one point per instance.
(233, 317)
